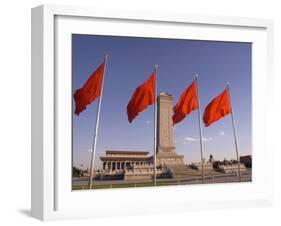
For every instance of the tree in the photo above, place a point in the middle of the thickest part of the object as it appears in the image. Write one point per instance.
(76, 172)
(217, 164)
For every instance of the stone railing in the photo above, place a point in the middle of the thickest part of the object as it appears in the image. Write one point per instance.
(142, 171)
(231, 168)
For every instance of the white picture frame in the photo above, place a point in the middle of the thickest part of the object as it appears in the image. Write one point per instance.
(52, 197)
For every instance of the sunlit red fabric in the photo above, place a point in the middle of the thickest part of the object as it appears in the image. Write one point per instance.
(186, 103)
(89, 91)
(142, 98)
(217, 108)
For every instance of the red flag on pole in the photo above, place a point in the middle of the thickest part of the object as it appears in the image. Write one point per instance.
(142, 98)
(186, 103)
(217, 108)
(89, 91)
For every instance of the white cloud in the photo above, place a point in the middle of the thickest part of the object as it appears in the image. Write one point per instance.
(206, 139)
(221, 133)
(90, 150)
(192, 139)
(148, 122)
(174, 128)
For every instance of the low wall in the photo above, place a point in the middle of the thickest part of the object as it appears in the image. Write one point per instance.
(138, 177)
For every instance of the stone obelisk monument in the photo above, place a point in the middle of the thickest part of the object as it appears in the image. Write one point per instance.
(166, 151)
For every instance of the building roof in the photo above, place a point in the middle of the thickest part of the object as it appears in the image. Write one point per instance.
(112, 158)
(246, 156)
(126, 152)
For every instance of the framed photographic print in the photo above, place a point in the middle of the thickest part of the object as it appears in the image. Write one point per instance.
(136, 112)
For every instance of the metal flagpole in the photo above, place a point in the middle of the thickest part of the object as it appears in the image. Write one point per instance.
(234, 132)
(97, 127)
(200, 128)
(155, 123)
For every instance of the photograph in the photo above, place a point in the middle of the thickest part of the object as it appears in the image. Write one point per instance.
(158, 112)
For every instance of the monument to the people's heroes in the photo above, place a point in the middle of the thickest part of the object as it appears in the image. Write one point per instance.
(166, 151)
(133, 165)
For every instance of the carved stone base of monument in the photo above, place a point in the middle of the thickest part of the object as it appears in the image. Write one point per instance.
(169, 159)
(168, 156)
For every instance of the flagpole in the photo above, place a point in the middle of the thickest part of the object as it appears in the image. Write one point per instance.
(200, 128)
(155, 123)
(234, 132)
(97, 126)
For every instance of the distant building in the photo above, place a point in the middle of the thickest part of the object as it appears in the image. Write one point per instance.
(121, 160)
(246, 160)
(128, 165)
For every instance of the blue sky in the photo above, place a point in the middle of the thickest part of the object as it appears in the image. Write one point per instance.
(130, 63)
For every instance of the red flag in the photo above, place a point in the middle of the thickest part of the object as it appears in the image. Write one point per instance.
(89, 91)
(217, 108)
(186, 103)
(142, 98)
